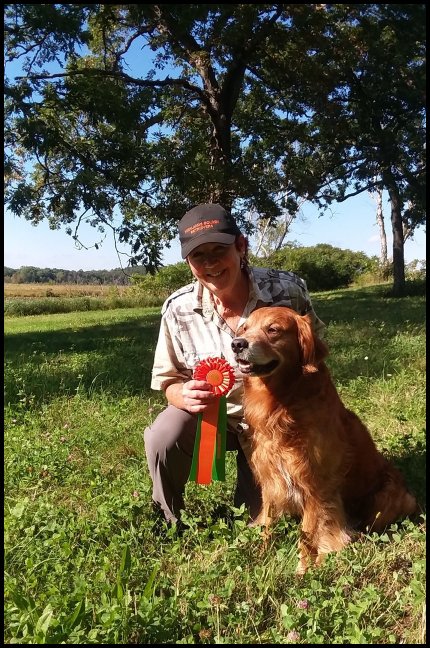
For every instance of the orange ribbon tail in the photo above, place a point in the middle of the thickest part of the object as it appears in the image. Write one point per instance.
(208, 429)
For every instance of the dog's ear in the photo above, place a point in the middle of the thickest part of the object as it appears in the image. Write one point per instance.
(312, 347)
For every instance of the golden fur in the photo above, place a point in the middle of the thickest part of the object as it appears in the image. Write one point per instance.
(312, 457)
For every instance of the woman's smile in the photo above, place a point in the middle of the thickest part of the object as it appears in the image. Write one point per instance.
(214, 274)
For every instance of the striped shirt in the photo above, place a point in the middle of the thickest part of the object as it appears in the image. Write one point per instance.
(191, 329)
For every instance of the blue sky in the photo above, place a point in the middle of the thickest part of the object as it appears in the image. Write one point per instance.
(350, 225)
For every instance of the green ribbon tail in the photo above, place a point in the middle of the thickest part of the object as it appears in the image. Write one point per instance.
(218, 467)
(193, 471)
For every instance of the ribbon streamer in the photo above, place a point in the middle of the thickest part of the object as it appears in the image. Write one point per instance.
(209, 449)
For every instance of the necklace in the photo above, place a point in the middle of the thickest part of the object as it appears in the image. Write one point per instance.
(231, 316)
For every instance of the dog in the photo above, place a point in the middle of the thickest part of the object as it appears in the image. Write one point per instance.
(312, 457)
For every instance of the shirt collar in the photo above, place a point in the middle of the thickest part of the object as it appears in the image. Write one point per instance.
(255, 294)
(202, 300)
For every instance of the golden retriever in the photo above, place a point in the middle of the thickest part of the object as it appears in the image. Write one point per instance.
(312, 457)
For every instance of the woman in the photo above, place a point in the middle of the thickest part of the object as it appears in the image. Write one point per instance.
(200, 321)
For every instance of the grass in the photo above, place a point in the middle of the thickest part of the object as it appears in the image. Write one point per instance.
(85, 561)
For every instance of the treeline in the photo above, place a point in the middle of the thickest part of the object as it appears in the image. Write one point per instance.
(31, 274)
(323, 266)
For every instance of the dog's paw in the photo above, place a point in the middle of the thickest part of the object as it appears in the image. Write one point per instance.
(301, 568)
(260, 520)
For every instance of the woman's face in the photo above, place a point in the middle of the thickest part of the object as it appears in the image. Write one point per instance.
(217, 266)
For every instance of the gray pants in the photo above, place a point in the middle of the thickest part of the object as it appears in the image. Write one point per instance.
(169, 445)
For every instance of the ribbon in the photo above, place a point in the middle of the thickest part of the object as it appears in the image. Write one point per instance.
(209, 448)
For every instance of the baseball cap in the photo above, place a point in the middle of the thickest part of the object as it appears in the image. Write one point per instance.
(207, 223)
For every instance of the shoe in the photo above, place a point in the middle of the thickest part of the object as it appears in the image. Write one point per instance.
(180, 527)
(223, 512)
(161, 526)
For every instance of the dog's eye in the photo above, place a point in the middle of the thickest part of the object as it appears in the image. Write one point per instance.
(273, 329)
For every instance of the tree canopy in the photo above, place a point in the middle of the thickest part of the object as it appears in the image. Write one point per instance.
(128, 115)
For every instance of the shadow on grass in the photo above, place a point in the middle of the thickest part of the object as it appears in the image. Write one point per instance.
(413, 467)
(366, 331)
(370, 306)
(114, 358)
(117, 358)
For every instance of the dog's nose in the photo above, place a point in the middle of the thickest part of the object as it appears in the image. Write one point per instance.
(239, 344)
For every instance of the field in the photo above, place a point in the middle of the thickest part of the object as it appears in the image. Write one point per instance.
(37, 290)
(38, 299)
(87, 563)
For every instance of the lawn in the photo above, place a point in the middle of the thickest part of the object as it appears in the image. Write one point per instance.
(85, 560)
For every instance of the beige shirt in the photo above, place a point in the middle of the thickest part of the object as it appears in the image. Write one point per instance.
(191, 329)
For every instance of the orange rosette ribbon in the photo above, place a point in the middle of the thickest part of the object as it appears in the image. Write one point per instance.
(209, 449)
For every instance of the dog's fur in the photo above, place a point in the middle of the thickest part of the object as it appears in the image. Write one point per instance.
(312, 457)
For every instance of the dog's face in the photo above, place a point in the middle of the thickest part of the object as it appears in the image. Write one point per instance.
(276, 337)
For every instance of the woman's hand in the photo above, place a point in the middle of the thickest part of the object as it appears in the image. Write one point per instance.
(197, 395)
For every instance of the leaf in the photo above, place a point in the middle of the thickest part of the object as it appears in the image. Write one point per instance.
(44, 621)
(20, 601)
(148, 591)
(76, 614)
(125, 561)
(123, 573)
(18, 510)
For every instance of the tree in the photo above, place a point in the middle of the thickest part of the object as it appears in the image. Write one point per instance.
(144, 147)
(369, 121)
(270, 237)
(231, 103)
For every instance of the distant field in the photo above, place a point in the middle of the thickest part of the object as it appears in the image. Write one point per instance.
(60, 290)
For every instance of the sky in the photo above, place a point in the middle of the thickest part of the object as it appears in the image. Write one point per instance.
(350, 225)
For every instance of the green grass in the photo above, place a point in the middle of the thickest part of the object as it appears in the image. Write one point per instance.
(85, 561)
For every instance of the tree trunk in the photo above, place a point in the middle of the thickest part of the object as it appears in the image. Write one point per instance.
(381, 225)
(220, 157)
(262, 237)
(398, 243)
(285, 228)
(376, 194)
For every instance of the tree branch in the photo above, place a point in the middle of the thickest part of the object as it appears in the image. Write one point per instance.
(121, 76)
